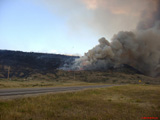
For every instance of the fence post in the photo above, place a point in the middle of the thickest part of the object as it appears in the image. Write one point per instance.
(8, 72)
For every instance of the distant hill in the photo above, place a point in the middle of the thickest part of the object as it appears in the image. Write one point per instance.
(23, 64)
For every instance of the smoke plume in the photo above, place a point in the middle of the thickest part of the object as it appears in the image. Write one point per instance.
(139, 48)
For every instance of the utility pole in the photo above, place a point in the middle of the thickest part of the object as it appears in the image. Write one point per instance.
(8, 71)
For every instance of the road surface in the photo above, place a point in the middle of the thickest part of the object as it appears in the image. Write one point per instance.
(30, 91)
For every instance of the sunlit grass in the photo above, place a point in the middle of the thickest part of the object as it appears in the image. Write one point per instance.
(129, 102)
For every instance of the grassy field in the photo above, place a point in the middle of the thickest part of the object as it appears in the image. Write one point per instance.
(20, 83)
(128, 102)
(70, 78)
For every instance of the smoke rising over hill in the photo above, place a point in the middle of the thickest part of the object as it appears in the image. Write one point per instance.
(139, 48)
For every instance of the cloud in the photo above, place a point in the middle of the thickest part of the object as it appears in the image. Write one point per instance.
(106, 17)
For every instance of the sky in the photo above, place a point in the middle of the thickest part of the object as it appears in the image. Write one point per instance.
(69, 27)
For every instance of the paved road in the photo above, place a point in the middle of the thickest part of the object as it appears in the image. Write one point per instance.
(29, 91)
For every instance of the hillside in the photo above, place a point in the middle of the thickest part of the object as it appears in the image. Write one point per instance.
(29, 66)
(23, 64)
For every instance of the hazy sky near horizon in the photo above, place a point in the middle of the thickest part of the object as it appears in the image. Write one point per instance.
(64, 26)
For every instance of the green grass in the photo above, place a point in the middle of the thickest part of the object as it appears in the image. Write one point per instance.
(129, 102)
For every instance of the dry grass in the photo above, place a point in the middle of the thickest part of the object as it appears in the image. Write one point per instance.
(39, 83)
(129, 102)
(70, 78)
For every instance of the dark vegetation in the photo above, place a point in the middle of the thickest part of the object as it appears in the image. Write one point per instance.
(23, 64)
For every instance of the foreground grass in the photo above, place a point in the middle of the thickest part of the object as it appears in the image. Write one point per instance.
(129, 102)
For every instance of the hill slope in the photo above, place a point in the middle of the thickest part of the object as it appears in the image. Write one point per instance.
(23, 64)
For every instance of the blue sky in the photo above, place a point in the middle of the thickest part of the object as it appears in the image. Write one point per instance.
(55, 27)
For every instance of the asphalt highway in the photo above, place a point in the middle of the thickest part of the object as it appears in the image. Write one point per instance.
(29, 91)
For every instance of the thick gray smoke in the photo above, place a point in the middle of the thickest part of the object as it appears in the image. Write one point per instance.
(139, 48)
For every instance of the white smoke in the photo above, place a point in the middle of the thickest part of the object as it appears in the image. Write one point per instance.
(139, 48)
